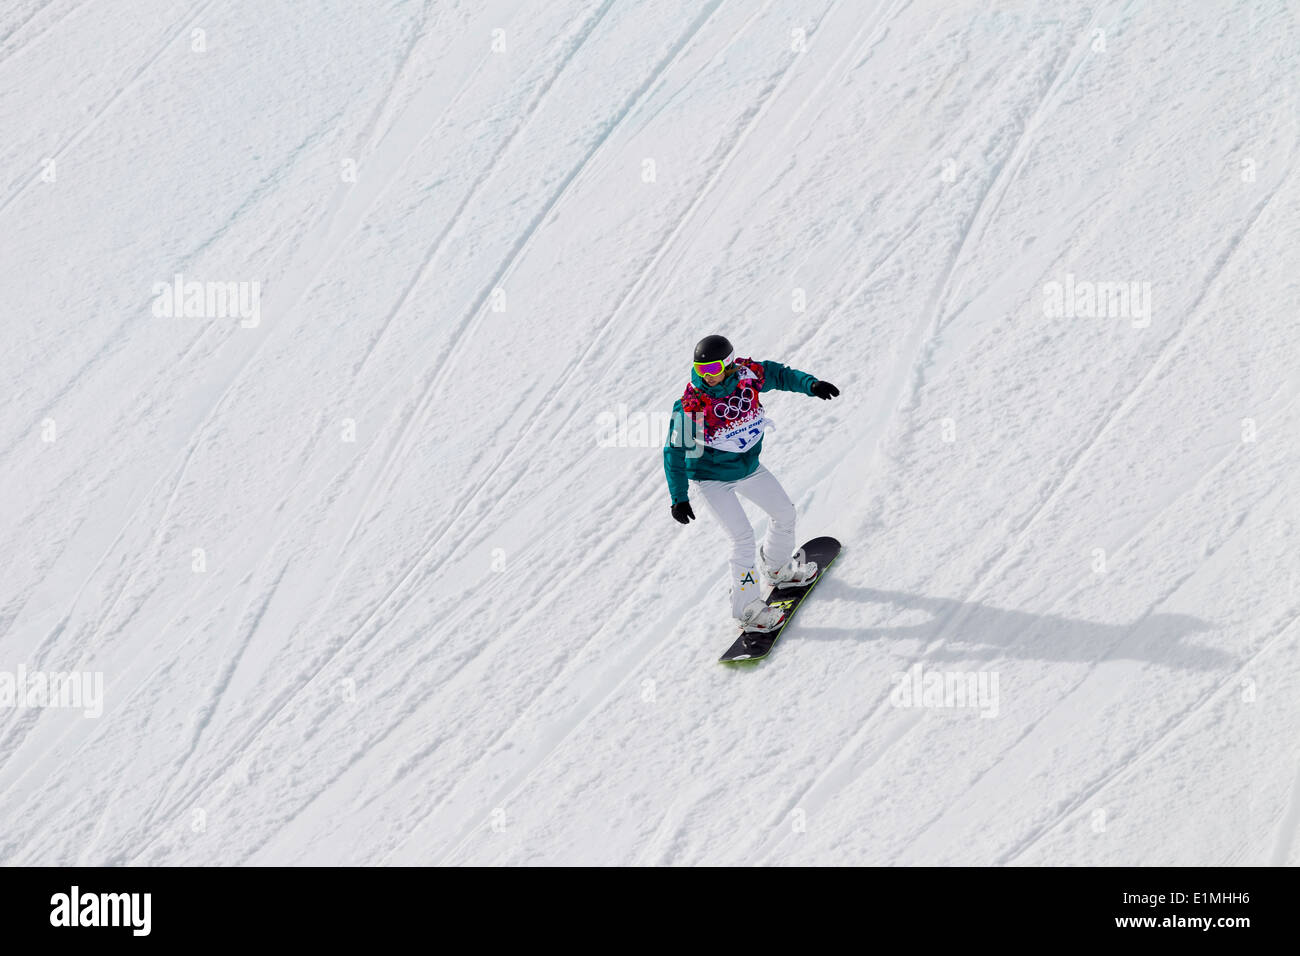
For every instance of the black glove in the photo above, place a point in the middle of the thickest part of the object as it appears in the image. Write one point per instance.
(682, 512)
(824, 390)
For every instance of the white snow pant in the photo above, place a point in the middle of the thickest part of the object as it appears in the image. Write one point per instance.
(764, 490)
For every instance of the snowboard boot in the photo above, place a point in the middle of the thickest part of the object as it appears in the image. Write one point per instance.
(795, 574)
(760, 618)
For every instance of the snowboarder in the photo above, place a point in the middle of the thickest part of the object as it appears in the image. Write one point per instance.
(715, 437)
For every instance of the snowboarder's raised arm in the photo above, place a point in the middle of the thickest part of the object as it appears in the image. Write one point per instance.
(675, 454)
(786, 379)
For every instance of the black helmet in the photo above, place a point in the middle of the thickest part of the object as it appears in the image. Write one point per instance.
(713, 348)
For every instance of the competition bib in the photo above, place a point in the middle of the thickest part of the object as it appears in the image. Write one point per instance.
(733, 422)
(740, 437)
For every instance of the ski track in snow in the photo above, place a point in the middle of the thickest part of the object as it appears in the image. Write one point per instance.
(407, 778)
(1133, 762)
(26, 44)
(1076, 461)
(400, 444)
(503, 796)
(677, 231)
(195, 12)
(984, 210)
(319, 257)
(404, 581)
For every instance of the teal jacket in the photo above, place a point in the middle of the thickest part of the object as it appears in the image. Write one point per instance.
(709, 464)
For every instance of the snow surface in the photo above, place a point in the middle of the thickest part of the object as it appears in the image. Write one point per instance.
(473, 634)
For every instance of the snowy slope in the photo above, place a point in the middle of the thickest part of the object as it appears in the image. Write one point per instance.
(367, 583)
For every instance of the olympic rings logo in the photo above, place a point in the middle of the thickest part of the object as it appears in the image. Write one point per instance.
(735, 406)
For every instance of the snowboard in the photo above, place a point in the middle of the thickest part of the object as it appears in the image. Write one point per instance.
(755, 647)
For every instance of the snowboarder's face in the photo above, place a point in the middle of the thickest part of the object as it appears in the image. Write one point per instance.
(713, 379)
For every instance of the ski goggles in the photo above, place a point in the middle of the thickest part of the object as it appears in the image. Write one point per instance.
(714, 368)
